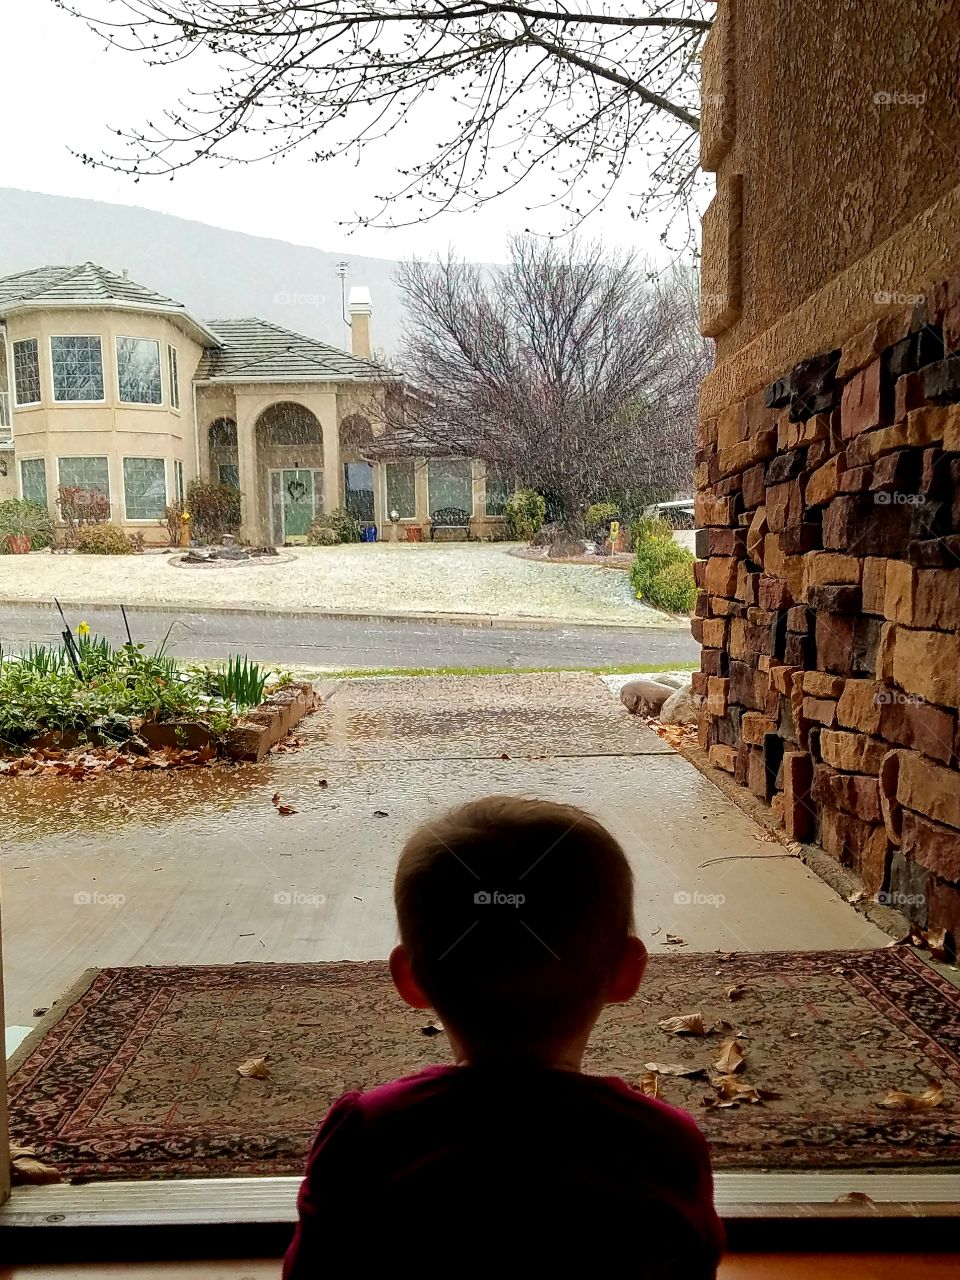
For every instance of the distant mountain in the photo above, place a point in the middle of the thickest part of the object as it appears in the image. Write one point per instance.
(213, 271)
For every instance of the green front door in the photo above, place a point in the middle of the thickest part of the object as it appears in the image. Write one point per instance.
(298, 506)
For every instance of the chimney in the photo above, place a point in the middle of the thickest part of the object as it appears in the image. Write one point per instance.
(360, 310)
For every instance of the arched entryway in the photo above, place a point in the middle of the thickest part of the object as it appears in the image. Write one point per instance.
(289, 451)
(224, 459)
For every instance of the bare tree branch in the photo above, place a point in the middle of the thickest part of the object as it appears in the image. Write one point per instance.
(580, 97)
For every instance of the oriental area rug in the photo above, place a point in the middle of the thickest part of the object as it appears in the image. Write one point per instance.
(797, 1061)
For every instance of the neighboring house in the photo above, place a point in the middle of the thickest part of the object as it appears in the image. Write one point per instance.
(107, 384)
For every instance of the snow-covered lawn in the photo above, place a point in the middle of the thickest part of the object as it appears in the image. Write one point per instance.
(467, 578)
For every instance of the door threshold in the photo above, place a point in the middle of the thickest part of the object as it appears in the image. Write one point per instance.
(739, 1196)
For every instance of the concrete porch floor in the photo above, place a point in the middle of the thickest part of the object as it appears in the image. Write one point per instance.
(197, 867)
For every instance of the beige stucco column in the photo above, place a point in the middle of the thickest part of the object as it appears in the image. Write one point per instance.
(251, 524)
(420, 496)
(325, 407)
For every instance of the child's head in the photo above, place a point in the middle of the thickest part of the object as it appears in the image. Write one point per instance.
(516, 920)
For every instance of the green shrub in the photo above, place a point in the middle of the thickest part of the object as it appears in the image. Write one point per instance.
(596, 518)
(19, 517)
(103, 540)
(650, 527)
(334, 527)
(321, 535)
(214, 510)
(523, 513)
(673, 588)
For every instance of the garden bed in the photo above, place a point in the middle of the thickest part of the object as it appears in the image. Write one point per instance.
(89, 707)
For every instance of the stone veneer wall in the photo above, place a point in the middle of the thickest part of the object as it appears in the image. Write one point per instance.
(828, 548)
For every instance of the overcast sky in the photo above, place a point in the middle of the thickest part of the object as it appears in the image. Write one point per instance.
(62, 90)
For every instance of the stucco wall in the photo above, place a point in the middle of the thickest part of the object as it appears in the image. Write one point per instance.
(109, 427)
(834, 132)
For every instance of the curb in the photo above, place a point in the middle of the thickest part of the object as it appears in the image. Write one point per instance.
(337, 615)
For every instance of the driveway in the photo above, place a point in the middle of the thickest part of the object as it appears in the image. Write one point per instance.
(374, 580)
(197, 866)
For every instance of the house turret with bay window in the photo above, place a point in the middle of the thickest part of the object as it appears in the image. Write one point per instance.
(106, 384)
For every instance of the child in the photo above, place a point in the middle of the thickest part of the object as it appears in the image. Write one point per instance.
(516, 927)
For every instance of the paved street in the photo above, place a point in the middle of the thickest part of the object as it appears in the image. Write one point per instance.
(323, 642)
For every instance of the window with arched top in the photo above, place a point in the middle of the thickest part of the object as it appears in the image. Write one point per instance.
(288, 424)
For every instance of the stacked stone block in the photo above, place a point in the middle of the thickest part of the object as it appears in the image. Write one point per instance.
(828, 611)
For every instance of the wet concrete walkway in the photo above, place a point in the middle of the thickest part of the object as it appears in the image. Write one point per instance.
(197, 867)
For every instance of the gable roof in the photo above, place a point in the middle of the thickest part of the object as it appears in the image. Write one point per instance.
(258, 350)
(88, 285)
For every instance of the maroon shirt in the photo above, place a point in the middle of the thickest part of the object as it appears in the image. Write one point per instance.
(507, 1165)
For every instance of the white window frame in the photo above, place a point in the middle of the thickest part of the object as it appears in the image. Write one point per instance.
(179, 483)
(150, 457)
(138, 404)
(173, 375)
(66, 457)
(32, 457)
(53, 381)
(12, 375)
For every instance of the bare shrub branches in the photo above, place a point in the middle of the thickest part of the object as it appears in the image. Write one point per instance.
(569, 370)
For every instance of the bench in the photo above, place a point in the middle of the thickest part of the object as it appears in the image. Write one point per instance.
(450, 518)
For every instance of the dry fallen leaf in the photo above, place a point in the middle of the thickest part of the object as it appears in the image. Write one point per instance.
(674, 940)
(686, 1024)
(323, 783)
(432, 1029)
(854, 1197)
(730, 1091)
(737, 991)
(650, 1084)
(936, 943)
(899, 1100)
(26, 1170)
(254, 1068)
(380, 813)
(673, 1069)
(730, 1057)
(275, 798)
(285, 810)
(858, 895)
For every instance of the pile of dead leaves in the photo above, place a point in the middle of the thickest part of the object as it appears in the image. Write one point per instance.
(725, 1075)
(79, 765)
(678, 736)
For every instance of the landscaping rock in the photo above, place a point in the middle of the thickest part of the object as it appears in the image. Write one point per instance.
(644, 697)
(682, 707)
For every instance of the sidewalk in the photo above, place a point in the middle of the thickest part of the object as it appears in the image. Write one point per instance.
(465, 582)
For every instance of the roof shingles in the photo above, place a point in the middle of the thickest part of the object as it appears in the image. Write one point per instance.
(254, 348)
(87, 283)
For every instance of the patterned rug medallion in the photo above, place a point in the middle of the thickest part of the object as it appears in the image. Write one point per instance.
(134, 1074)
